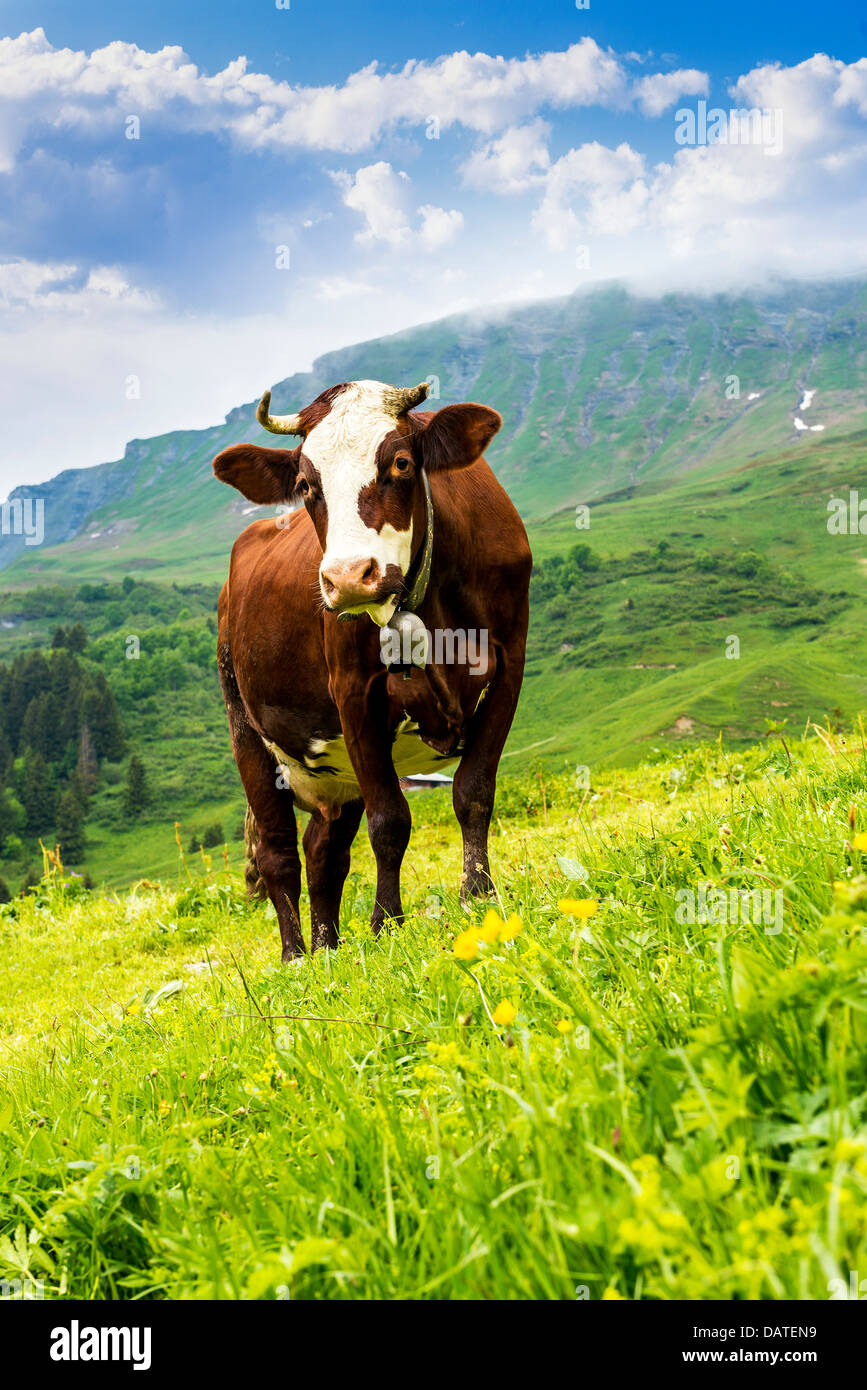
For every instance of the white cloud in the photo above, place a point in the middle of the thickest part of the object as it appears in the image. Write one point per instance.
(737, 210)
(380, 194)
(52, 287)
(661, 90)
(514, 162)
(45, 87)
(438, 227)
(609, 186)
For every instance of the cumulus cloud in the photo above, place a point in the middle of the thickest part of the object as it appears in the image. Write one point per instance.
(378, 193)
(94, 93)
(438, 227)
(606, 184)
(737, 205)
(514, 162)
(661, 90)
(381, 195)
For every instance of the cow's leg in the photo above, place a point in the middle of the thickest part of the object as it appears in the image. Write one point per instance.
(277, 857)
(326, 849)
(475, 781)
(364, 719)
(389, 823)
(253, 879)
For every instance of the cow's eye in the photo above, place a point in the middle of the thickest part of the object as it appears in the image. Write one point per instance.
(304, 487)
(402, 463)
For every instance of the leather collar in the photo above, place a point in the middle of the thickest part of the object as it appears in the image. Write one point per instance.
(418, 575)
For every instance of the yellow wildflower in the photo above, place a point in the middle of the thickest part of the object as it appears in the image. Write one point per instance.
(860, 840)
(578, 907)
(565, 1025)
(612, 1296)
(847, 1149)
(491, 927)
(513, 925)
(504, 1012)
(467, 944)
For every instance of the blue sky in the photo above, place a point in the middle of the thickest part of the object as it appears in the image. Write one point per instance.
(278, 206)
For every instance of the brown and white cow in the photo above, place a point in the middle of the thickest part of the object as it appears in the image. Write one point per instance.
(400, 512)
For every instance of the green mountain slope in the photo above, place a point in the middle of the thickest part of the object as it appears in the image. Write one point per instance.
(598, 391)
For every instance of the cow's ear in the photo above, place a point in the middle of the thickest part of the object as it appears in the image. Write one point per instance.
(457, 436)
(262, 475)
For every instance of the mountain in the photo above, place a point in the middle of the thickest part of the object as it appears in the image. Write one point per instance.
(599, 392)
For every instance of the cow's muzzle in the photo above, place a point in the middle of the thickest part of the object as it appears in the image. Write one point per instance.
(358, 583)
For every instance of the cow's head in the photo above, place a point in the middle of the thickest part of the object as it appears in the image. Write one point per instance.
(358, 473)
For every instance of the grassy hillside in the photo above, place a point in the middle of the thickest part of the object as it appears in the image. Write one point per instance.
(623, 1104)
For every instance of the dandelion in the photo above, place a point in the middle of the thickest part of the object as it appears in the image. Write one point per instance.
(494, 929)
(466, 945)
(578, 907)
(513, 925)
(491, 927)
(504, 1012)
(845, 1150)
(565, 1025)
(860, 840)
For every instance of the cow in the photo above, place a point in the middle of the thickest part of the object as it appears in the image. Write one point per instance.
(403, 527)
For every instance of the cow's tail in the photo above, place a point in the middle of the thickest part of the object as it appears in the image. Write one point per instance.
(254, 880)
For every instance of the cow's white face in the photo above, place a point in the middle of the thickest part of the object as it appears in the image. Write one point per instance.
(344, 449)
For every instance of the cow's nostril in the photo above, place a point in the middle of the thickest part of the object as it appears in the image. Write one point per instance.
(329, 585)
(369, 573)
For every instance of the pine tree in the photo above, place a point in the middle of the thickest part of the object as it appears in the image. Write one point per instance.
(76, 638)
(37, 792)
(136, 793)
(100, 713)
(70, 827)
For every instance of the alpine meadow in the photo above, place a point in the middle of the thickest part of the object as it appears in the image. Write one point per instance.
(628, 1064)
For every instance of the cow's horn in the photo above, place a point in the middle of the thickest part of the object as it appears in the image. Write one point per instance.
(402, 398)
(277, 424)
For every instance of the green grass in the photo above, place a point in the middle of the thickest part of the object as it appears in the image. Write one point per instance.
(357, 1126)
